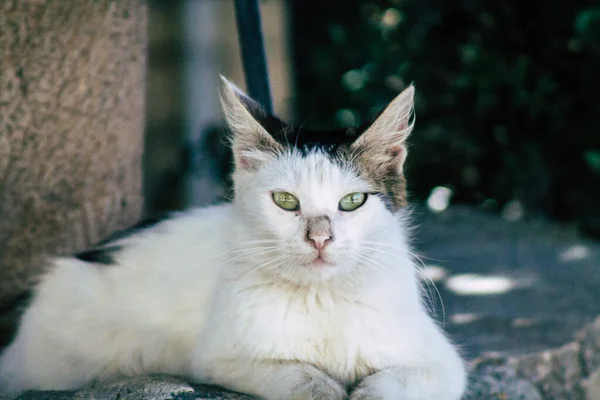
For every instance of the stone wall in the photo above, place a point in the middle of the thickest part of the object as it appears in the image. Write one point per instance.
(72, 78)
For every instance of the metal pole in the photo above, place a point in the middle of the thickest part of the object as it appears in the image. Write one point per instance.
(247, 14)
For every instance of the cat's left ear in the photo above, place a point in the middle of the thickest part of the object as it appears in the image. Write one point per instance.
(383, 144)
(251, 142)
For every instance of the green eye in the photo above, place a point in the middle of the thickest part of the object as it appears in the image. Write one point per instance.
(352, 201)
(286, 201)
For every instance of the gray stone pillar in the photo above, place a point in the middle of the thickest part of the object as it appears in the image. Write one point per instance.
(72, 79)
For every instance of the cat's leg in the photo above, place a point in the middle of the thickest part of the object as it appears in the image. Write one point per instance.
(31, 362)
(273, 380)
(402, 383)
(56, 335)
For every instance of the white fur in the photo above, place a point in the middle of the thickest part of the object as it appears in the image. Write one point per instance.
(227, 295)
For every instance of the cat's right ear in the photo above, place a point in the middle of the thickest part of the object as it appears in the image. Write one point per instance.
(251, 143)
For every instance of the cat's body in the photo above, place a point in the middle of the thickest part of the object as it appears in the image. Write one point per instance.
(314, 301)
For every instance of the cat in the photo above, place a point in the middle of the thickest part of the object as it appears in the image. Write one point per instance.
(303, 287)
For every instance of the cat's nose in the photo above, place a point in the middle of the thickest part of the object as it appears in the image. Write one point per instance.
(319, 241)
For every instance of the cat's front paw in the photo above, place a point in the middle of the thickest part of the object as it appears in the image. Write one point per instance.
(376, 387)
(368, 393)
(320, 387)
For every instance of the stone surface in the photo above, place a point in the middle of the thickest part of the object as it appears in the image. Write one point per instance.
(71, 129)
(142, 387)
(526, 290)
(515, 287)
(591, 386)
(557, 373)
(158, 387)
(590, 346)
(492, 379)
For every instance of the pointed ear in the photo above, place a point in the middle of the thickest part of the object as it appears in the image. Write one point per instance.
(383, 144)
(251, 142)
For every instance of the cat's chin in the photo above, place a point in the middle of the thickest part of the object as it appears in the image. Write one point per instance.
(309, 272)
(320, 263)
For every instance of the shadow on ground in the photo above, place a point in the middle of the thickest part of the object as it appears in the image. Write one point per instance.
(510, 286)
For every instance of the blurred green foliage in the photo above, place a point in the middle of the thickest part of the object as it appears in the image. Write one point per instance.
(508, 103)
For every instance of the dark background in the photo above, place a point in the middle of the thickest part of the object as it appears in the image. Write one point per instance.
(507, 103)
(507, 92)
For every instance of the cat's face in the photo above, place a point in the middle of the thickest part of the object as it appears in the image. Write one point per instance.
(316, 205)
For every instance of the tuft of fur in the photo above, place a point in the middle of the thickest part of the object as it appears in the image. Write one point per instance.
(231, 295)
(382, 148)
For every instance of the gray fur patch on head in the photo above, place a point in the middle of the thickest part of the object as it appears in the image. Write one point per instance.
(379, 153)
(386, 178)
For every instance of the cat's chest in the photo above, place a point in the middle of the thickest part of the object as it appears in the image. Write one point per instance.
(338, 333)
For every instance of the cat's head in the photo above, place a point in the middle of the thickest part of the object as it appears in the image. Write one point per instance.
(314, 205)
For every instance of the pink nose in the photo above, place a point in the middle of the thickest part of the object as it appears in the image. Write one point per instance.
(319, 241)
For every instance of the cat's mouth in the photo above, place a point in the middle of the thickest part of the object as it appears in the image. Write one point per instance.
(320, 262)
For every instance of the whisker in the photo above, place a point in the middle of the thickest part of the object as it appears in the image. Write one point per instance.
(405, 249)
(419, 268)
(251, 250)
(249, 243)
(371, 262)
(241, 256)
(273, 260)
(430, 283)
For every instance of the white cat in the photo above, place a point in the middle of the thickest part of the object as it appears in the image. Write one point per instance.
(302, 288)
